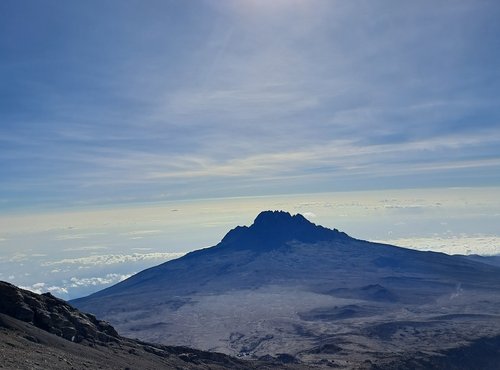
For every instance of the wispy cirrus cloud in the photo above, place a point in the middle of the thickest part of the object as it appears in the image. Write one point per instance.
(343, 156)
(316, 89)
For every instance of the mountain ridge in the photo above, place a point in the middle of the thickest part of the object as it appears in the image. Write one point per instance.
(251, 239)
(272, 231)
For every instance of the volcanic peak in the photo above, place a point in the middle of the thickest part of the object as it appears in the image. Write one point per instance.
(273, 229)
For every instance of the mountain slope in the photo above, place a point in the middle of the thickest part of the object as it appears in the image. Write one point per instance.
(42, 332)
(285, 285)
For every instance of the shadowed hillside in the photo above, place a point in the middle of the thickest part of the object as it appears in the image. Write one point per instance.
(43, 332)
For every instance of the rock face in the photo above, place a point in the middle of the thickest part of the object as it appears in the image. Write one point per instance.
(53, 315)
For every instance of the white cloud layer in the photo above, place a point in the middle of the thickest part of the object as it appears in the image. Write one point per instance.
(75, 283)
(40, 288)
(111, 259)
(96, 281)
(462, 244)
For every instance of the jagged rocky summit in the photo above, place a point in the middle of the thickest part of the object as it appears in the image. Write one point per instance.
(272, 229)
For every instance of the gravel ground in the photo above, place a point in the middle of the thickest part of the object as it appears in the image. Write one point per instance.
(23, 346)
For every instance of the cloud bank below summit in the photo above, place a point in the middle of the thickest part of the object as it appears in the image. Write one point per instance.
(58, 246)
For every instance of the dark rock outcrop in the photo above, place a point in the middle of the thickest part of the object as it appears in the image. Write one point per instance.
(53, 315)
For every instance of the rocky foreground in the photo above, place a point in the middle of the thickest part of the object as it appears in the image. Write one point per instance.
(44, 332)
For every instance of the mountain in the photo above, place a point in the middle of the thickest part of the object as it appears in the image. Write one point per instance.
(287, 287)
(490, 260)
(44, 332)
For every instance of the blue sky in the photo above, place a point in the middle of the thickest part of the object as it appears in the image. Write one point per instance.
(130, 101)
(132, 132)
